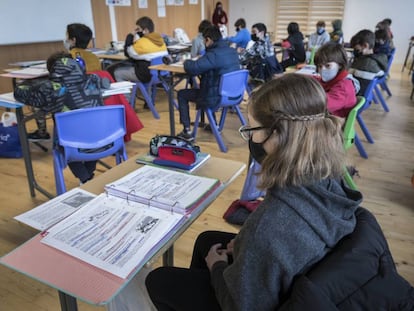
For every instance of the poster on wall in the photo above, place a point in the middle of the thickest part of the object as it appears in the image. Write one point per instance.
(161, 8)
(118, 2)
(143, 4)
(170, 2)
(192, 1)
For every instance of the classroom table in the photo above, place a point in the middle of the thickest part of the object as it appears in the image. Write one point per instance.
(75, 279)
(176, 71)
(21, 124)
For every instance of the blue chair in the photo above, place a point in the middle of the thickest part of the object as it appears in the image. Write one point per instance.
(383, 80)
(77, 139)
(232, 88)
(369, 98)
(250, 191)
(149, 89)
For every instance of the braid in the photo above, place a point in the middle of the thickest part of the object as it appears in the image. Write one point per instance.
(289, 117)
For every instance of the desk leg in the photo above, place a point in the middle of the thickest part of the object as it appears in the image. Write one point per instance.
(67, 303)
(168, 257)
(410, 45)
(171, 105)
(21, 125)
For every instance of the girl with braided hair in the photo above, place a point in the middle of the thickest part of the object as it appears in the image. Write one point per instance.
(306, 210)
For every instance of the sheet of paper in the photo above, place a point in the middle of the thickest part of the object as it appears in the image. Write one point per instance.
(8, 97)
(46, 215)
(112, 234)
(31, 71)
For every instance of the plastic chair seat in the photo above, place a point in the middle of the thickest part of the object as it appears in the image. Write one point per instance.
(77, 140)
(232, 88)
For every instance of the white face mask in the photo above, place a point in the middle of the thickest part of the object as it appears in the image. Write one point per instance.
(66, 44)
(328, 74)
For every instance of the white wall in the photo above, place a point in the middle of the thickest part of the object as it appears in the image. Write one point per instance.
(26, 21)
(359, 14)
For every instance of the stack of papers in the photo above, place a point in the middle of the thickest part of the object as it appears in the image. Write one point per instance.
(123, 87)
(31, 71)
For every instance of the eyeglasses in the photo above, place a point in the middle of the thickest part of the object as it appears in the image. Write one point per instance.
(246, 132)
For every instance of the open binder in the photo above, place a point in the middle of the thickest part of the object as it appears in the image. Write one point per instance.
(163, 188)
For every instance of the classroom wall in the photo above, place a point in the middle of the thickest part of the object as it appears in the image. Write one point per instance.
(357, 15)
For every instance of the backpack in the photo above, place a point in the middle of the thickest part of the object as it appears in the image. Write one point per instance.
(44, 94)
(82, 90)
(263, 69)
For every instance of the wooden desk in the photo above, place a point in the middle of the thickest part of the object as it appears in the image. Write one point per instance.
(175, 71)
(21, 123)
(75, 279)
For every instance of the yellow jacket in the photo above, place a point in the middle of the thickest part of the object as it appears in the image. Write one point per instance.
(92, 62)
(150, 43)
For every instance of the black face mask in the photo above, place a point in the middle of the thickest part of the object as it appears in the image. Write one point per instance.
(237, 29)
(257, 151)
(254, 37)
(140, 34)
(357, 53)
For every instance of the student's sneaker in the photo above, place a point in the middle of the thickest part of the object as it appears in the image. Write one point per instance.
(186, 135)
(207, 128)
(36, 136)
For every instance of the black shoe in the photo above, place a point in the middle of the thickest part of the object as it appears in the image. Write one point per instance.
(36, 136)
(207, 128)
(352, 171)
(186, 135)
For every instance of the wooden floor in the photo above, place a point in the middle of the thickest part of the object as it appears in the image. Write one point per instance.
(384, 181)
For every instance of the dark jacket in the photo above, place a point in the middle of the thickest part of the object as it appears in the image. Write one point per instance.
(291, 230)
(297, 49)
(359, 274)
(218, 60)
(367, 67)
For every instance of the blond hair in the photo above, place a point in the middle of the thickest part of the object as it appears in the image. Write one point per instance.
(307, 139)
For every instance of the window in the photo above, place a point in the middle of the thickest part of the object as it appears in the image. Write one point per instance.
(306, 13)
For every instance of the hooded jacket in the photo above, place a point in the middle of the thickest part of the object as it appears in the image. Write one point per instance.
(149, 46)
(290, 231)
(337, 35)
(218, 60)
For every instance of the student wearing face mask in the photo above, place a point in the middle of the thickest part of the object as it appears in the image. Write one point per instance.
(141, 45)
(242, 36)
(259, 57)
(317, 39)
(294, 47)
(305, 212)
(366, 65)
(331, 62)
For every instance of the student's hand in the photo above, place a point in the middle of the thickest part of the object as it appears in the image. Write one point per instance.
(230, 247)
(215, 254)
(240, 50)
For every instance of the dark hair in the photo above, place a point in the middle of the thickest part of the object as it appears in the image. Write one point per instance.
(331, 52)
(81, 33)
(212, 32)
(260, 27)
(204, 24)
(54, 57)
(218, 3)
(381, 34)
(292, 28)
(362, 37)
(320, 24)
(307, 140)
(388, 21)
(240, 23)
(145, 23)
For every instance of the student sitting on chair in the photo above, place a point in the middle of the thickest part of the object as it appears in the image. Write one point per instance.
(242, 36)
(317, 39)
(259, 58)
(78, 37)
(141, 46)
(331, 62)
(366, 65)
(197, 44)
(218, 60)
(295, 49)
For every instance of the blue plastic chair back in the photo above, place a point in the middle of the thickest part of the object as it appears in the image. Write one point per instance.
(232, 87)
(88, 134)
